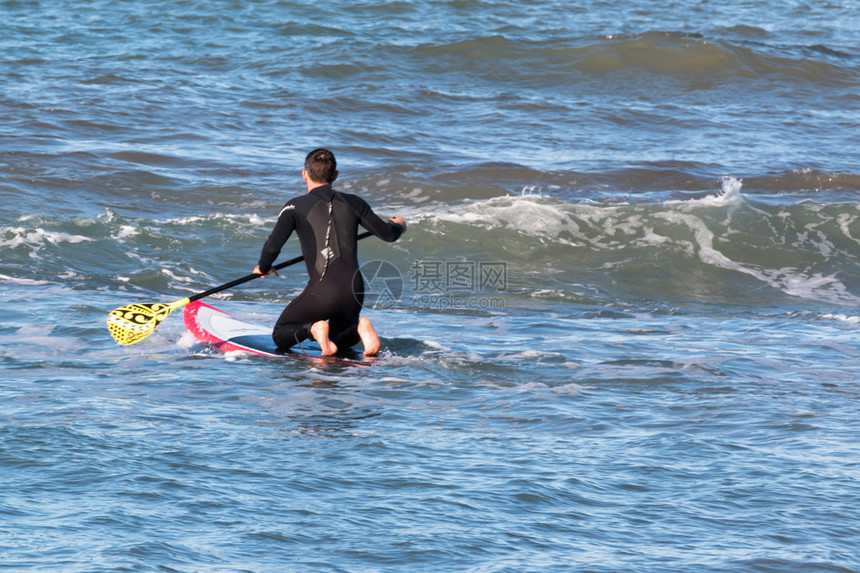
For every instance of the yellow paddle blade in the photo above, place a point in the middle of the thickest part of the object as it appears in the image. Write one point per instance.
(132, 323)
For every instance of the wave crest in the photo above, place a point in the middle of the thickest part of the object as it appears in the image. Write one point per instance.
(725, 243)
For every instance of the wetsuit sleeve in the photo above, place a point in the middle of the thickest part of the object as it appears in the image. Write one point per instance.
(282, 231)
(385, 230)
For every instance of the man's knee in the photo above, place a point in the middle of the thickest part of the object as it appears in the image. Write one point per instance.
(288, 335)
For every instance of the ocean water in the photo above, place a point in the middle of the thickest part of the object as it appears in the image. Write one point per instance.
(621, 333)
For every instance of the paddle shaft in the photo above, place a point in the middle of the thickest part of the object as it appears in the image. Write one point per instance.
(253, 276)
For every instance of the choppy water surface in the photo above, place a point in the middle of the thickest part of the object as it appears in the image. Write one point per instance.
(624, 335)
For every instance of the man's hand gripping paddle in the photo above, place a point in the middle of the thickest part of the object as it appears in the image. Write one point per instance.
(132, 323)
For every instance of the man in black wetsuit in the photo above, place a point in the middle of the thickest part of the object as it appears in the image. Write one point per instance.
(327, 224)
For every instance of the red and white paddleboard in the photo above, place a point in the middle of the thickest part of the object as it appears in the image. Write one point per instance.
(229, 334)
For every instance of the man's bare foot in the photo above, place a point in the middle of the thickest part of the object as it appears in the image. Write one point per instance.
(368, 337)
(319, 330)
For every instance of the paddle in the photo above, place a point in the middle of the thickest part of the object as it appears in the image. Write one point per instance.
(132, 323)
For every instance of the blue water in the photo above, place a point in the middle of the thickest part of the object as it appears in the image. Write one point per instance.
(622, 330)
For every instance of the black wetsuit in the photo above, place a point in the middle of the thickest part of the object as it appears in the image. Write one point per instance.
(327, 224)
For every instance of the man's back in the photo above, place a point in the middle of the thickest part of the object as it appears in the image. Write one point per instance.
(326, 222)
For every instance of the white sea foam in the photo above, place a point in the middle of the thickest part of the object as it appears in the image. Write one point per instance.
(843, 318)
(530, 355)
(236, 355)
(125, 231)
(36, 338)
(186, 341)
(530, 215)
(729, 195)
(22, 282)
(571, 389)
(814, 287)
(435, 345)
(176, 277)
(845, 221)
(602, 226)
(253, 219)
(788, 280)
(37, 330)
(12, 237)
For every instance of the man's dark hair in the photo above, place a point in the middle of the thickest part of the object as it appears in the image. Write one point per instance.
(321, 166)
